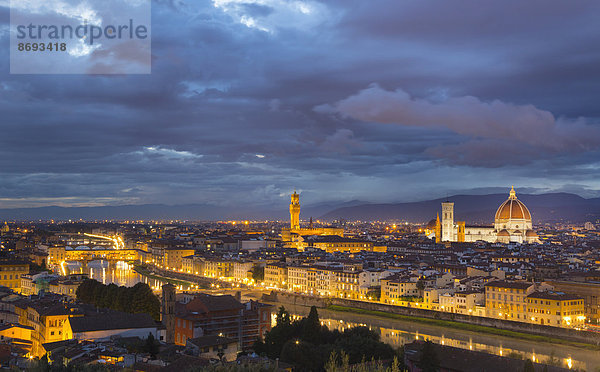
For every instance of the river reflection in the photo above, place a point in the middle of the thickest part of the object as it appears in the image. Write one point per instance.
(394, 332)
(397, 333)
(120, 273)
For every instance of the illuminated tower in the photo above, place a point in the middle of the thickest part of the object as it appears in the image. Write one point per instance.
(295, 211)
(167, 314)
(447, 221)
(438, 229)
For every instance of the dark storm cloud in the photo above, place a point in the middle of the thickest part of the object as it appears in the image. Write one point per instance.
(498, 133)
(227, 115)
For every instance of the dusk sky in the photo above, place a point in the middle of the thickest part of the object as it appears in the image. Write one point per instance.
(381, 101)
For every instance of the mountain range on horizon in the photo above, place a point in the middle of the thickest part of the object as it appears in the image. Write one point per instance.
(477, 209)
(474, 209)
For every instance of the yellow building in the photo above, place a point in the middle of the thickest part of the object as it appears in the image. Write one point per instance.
(15, 331)
(394, 290)
(334, 243)
(173, 259)
(47, 318)
(10, 274)
(276, 275)
(242, 271)
(298, 278)
(56, 255)
(217, 268)
(347, 284)
(464, 302)
(65, 287)
(507, 300)
(556, 309)
(588, 289)
(320, 281)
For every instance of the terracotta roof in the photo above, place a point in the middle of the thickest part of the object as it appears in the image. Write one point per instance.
(512, 208)
(506, 284)
(110, 321)
(205, 341)
(205, 303)
(556, 296)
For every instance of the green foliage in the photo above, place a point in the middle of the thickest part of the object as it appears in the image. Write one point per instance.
(258, 273)
(283, 317)
(137, 299)
(151, 346)
(311, 328)
(428, 362)
(374, 294)
(308, 345)
(234, 368)
(341, 363)
(43, 366)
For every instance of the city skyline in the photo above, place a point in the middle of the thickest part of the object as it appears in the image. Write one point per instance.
(383, 103)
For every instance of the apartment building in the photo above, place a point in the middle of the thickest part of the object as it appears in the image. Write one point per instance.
(397, 288)
(556, 309)
(298, 278)
(11, 272)
(276, 275)
(242, 270)
(220, 316)
(173, 257)
(506, 300)
(463, 302)
(347, 284)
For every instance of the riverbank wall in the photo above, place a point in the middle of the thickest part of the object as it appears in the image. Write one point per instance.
(533, 329)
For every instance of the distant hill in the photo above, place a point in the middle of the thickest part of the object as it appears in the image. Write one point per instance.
(191, 212)
(471, 208)
(476, 209)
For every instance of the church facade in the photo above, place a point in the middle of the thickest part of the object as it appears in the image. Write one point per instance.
(512, 223)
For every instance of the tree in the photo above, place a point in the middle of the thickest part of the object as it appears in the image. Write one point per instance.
(374, 294)
(151, 346)
(137, 299)
(428, 362)
(308, 345)
(283, 317)
(360, 342)
(258, 273)
(311, 330)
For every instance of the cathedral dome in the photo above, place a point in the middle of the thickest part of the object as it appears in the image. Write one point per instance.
(431, 224)
(512, 209)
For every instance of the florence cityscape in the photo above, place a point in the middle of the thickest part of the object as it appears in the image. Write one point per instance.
(299, 185)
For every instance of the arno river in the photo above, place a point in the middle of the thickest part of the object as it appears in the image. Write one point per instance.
(393, 332)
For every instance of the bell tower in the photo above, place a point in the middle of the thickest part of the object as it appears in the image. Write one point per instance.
(295, 211)
(447, 221)
(167, 314)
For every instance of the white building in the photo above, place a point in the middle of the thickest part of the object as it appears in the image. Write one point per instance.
(512, 223)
